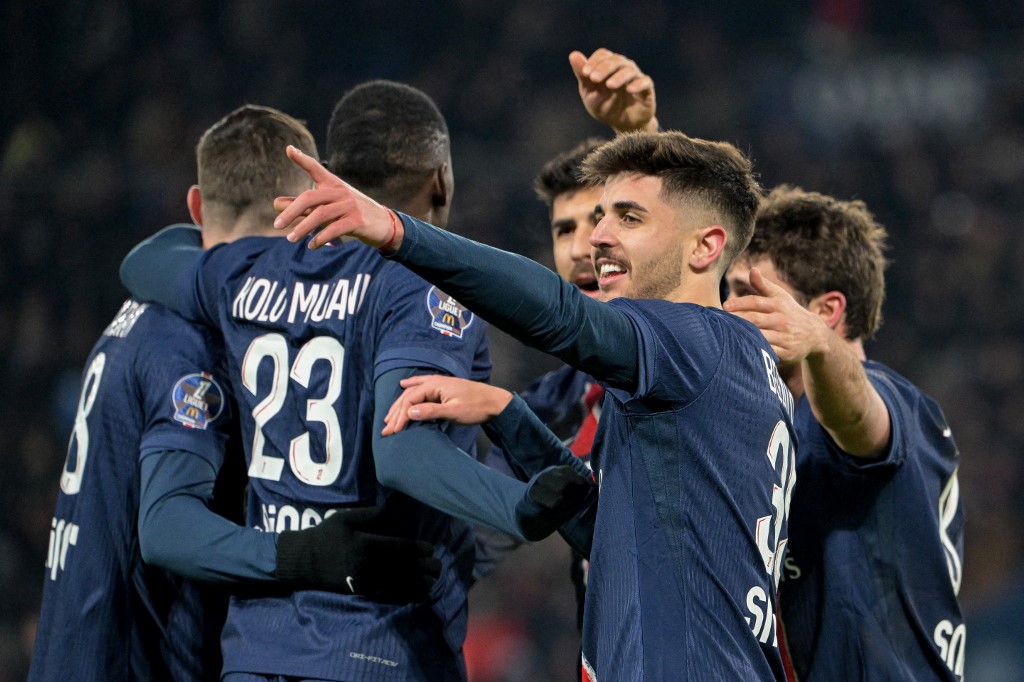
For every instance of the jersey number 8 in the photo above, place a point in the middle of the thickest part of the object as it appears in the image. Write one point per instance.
(71, 481)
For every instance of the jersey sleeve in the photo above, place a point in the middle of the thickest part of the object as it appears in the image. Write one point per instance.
(680, 348)
(163, 268)
(524, 299)
(181, 385)
(527, 444)
(419, 326)
(900, 420)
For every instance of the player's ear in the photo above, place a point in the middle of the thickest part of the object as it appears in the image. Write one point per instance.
(195, 204)
(441, 192)
(708, 247)
(830, 306)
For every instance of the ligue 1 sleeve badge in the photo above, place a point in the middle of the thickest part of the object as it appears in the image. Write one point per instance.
(448, 316)
(197, 400)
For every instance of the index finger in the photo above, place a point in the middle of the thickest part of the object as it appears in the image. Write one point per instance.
(577, 60)
(761, 285)
(314, 169)
(751, 303)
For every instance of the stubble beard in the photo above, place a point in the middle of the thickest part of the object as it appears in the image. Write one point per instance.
(662, 275)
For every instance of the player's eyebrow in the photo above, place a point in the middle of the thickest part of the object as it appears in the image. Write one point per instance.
(563, 222)
(626, 205)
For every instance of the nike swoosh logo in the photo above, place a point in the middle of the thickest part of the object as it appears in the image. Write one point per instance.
(351, 584)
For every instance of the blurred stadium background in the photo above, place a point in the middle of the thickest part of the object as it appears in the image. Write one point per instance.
(915, 106)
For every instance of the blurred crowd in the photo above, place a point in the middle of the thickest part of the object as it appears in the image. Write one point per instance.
(915, 107)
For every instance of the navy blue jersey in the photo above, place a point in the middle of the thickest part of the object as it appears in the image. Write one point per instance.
(152, 382)
(696, 470)
(870, 583)
(307, 334)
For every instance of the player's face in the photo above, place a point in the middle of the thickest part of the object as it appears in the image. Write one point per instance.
(572, 222)
(639, 243)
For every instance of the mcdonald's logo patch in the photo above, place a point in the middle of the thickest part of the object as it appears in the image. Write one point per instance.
(198, 400)
(448, 316)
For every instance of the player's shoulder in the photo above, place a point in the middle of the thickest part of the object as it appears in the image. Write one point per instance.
(420, 302)
(150, 330)
(689, 319)
(899, 391)
(139, 322)
(668, 313)
(889, 382)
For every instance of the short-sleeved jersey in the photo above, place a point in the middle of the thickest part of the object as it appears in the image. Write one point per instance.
(307, 333)
(869, 587)
(696, 466)
(152, 382)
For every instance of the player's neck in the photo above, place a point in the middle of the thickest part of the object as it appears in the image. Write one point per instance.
(248, 224)
(699, 290)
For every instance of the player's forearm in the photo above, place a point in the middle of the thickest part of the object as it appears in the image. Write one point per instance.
(524, 299)
(843, 400)
(155, 269)
(529, 446)
(178, 532)
(425, 464)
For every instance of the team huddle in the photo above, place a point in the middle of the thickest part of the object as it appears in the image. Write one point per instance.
(273, 472)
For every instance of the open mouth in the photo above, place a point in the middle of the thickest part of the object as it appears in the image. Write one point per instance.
(609, 273)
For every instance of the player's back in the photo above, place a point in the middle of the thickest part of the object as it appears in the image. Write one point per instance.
(696, 465)
(870, 584)
(105, 614)
(308, 333)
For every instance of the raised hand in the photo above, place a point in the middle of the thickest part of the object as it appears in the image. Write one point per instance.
(337, 207)
(793, 331)
(443, 397)
(615, 91)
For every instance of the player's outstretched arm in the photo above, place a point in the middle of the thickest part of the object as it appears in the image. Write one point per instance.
(840, 394)
(423, 462)
(160, 268)
(615, 91)
(527, 443)
(354, 551)
(514, 293)
(530, 448)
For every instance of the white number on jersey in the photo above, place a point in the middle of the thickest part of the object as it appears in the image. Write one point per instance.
(768, 533)
(274, 347)
(770, 544)
(71, 481)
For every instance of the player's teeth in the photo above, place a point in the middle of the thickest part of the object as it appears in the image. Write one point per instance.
(607, 268)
